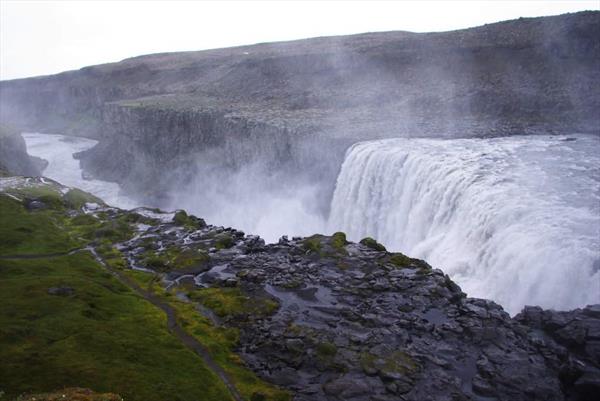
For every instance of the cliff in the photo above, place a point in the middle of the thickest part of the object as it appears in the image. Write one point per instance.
(86, 289)
(14, 159)
(299, 104)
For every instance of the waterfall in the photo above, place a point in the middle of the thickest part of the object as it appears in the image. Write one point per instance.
(514, 219)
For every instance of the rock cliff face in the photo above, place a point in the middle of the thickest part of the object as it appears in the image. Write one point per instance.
(299, 104)
(13, 155)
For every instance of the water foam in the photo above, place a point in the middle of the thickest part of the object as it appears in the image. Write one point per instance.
(513, 219)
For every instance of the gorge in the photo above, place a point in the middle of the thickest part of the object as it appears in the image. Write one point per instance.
(474, 152)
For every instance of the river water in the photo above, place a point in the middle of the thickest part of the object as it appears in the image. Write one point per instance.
(58, 151)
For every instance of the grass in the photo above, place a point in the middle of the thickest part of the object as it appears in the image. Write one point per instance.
(103, 336)
(32, 233)
(219, 341)
(72, 394)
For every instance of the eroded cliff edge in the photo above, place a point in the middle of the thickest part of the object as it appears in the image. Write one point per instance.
(316, 318)
(298, 105)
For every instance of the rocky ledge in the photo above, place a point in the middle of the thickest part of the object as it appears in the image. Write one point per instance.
(355, 322)
(324, 318)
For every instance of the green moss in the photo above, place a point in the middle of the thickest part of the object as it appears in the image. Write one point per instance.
(182, 219)
(338, 241)
(232, 302)
(371, 243)
(326, 350)
(401, 260)
(396, 362)
(173, 258)
(224, 241)
(189, 258)
(313, 243)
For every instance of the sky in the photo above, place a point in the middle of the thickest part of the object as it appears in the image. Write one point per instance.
(47, 37)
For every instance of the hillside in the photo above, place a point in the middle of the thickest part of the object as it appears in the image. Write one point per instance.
(298, 105)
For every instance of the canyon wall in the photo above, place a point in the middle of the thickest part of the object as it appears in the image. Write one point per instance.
(298, 105)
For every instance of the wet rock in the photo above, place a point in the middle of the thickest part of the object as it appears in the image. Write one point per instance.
(347, 387)
(349, 326)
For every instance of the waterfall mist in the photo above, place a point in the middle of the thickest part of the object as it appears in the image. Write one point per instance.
(254, 199)
(513, 219)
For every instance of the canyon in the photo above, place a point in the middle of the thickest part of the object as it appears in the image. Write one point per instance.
(315, 167)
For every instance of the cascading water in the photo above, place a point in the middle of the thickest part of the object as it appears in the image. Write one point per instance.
(513, 219)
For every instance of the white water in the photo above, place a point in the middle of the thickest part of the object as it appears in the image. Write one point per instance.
(513, 219)
(58, 150)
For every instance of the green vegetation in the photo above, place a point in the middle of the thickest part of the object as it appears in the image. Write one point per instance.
(32, 233)
(182, 219)
(396, 362)
(313, 243)
(338, 241)
(232, 302)
(76, 199)
(224, 241)
(72, 394)
(219, 341)
(371, 243)
(101, 336)
(173, 258)
(400, 260)
(324, 246)
(326, 351)
(66, 321)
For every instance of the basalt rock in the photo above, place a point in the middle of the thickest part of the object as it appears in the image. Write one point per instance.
(351, 324)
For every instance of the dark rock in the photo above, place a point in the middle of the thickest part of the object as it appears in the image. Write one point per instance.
(61, 291)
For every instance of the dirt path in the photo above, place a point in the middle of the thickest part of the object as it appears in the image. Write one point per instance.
(175, 328)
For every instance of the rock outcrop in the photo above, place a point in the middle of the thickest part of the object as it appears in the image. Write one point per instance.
(302, 103)
(355, 322)
(14, 159)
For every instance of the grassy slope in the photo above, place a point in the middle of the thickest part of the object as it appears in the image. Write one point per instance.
(103, 336)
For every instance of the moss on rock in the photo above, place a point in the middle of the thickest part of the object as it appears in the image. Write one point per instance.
(373, 244)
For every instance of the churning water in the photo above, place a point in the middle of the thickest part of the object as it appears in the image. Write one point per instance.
(513, 219)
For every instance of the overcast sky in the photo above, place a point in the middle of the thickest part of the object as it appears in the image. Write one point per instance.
(46, 37)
